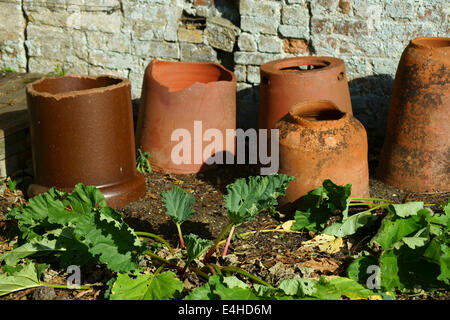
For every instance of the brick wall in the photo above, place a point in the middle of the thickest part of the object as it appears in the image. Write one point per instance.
(122, 36)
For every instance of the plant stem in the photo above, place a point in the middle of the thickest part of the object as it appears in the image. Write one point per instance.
(63, 286)
(245, 273)
(161, 267)
(151, 235)
(216, 243)
(370, 199)
(167, 262)
(228, 242)
(180, 235)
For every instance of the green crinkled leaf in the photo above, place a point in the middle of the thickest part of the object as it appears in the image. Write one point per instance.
(358, 270)
(298, 287)
(438, 252)
(22, 277)
(178, 204)
(138, 286)
(406, 209)
(394, 229)
(318, 205)
(244, 200)
(339, 287)
(86, 229)
(196, 246)
(350, 225)
(34, 247)
(222, 288)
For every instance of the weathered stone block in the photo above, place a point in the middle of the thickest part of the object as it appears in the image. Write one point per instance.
(240, 71)
(254, 58)
(246, 42)
(190, 35)
(197, 52)
(221, 33)
(299, 32)
(295, 46)
(253, 74)
(270, 44)
(156, 49)
(295, 15)
(265, 8)
(259, 24)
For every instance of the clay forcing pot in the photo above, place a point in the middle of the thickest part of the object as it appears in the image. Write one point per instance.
(416, 151)
(288, 81)
(82, 131)
(178, 97)
(318, 142)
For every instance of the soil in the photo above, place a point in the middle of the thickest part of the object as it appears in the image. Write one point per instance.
(270, 255)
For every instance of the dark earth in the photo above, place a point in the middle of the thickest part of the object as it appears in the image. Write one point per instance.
(270, 255)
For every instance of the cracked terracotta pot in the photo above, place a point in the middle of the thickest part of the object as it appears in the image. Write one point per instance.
(288, 81)
(318, 142)
(193, 97)
(82, 131)
(416, 151)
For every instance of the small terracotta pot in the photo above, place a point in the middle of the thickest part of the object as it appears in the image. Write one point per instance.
(175, 95)
(82, 131)
(318, 142)
(288, 81)
(416, 151)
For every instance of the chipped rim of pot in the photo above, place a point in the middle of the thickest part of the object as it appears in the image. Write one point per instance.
(277, 67)
(30, 88)
(155, 61)
(434, 43)
(309, 119)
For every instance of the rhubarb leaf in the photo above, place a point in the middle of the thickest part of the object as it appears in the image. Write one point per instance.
(139, 286)
(196, 246)
(178, 204)
(22, 277)
(244, 200)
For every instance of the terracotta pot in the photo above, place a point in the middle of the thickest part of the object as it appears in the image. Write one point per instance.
(82, 131)
(416, 151)
(318, 142)
(177, 95)
(288, 81)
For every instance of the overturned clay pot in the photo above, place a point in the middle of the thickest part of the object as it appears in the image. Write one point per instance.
(416, 151)
(185, 111)
(82, 132)
(288, 81)
(318, 142)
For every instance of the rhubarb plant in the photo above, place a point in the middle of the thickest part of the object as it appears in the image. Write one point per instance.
(178, 205)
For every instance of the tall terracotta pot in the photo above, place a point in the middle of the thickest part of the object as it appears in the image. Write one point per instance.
(318, 142)
(193, 97)
(288, 81)
(82, 131)
(416, 151)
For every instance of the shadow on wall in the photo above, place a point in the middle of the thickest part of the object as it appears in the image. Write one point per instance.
(371, 96)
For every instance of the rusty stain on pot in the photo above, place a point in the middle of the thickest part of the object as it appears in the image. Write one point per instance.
(318, 142)
(82, 132)
(417, 145)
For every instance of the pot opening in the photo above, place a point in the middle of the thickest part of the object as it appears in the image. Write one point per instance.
(432, 42)
(178, 75)
(305, 67)
(70, 83)
(315, 111)
(322, 115)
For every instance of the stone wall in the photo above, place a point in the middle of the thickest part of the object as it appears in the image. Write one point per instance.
(122, 36)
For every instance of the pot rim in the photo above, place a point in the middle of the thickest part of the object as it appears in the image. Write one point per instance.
(195, 83)
(296, 115)
(124, 82)
(275, 67)
(427, 42)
